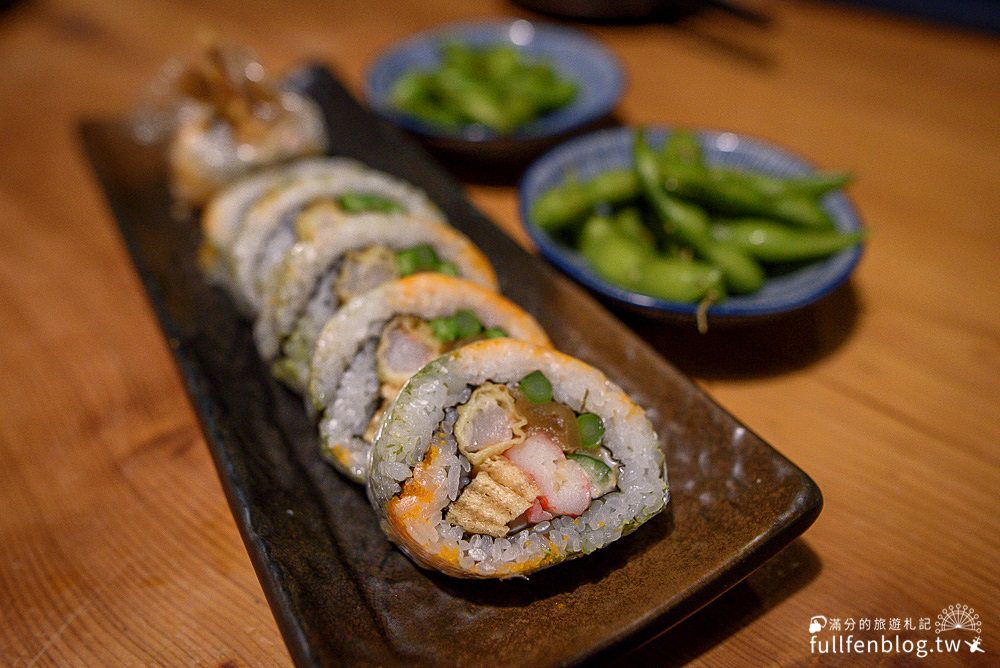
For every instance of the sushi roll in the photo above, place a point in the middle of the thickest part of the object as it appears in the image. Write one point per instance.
(369, 349)
(268, 230)
(224, 118)
(209, 151)
(225, 213)
(342, 256)
(502, 458)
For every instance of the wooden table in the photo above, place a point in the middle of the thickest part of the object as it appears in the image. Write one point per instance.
(116, 544)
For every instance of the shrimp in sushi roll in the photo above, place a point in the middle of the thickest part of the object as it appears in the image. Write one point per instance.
(502, 458)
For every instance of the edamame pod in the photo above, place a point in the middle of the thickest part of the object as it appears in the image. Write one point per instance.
(618, 259)
(812, 185)
(683, 147)
(738, 197)
(687, 221)
(615, 186)
(742, 272)
(569, 203)
(772, 242)
(596, 230)
(679, 280)
(799, 210)
(491, 86)
(628, 223)
(690, 224)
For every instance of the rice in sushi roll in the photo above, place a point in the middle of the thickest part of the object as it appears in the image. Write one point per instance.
(225, 213)
(342, 256)
(268, 230)
(502, 458)
(369, 349)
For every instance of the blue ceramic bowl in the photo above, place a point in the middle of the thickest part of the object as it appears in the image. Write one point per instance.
(573, 55)
(591, 154)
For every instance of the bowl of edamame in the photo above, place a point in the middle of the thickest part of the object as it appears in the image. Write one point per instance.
(707, 225)
(495, 89)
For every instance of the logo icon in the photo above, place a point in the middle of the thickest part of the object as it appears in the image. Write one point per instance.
(817, 623)
(974, 645)
(958, 618)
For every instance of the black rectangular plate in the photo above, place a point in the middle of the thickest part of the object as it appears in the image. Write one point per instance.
(340, 592)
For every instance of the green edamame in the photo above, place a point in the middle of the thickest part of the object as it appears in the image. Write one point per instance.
(632, 263)
(682, 147)
(772, 242)
(617, 259)
(492, 86)
(569, 203)
(811, 185)
(743, 274)
(729, 195)
(690, 224)
(628, 223)
(687, 221)
(680, 280)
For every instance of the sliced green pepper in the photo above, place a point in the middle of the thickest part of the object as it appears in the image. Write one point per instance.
(416, 259)
(591, 429)
(536, 387)
(364, 202)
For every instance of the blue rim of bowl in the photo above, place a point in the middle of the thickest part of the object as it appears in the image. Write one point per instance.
(593, 153)
(598, 72)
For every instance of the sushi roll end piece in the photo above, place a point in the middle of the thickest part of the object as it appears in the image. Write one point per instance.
(224, 118)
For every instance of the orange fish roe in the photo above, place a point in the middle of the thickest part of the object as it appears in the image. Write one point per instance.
(418, 492)
(340, 453)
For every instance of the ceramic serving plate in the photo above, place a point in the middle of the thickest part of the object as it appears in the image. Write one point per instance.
(341, 593)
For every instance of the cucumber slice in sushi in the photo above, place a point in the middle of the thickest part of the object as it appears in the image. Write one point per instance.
(471, 479)
(368, 350)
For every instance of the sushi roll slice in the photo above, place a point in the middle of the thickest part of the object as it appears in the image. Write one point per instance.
(209, 151)
(269, 231)
(342, 256)
(502, 458)
(224, 118)
(223, 217)
(369, 349)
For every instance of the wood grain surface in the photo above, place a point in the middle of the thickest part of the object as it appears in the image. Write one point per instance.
(116, 543)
